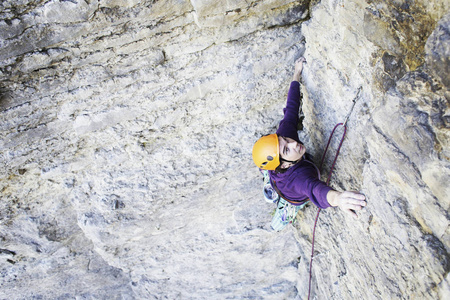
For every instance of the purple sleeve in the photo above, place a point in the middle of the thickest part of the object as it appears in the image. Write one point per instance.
(308, 183)
(288, 126)
(318, 191)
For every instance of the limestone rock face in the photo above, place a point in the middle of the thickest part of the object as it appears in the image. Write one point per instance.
(126, 137)
(396, 149)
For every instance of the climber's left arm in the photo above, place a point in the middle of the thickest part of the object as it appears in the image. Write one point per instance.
(288, 126)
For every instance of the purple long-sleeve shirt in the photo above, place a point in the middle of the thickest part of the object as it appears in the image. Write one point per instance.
(301, 181)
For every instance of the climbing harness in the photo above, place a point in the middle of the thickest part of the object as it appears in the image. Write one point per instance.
(344, 125)
(285, 214)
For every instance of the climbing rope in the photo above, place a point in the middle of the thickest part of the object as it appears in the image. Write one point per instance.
(344, 125)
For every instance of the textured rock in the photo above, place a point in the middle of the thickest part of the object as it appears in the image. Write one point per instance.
(395, 151)
(126, 131)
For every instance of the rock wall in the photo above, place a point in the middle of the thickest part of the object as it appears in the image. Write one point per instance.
(396, 149)
(127, 128)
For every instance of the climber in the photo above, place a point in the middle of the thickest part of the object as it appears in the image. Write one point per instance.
(291, 180)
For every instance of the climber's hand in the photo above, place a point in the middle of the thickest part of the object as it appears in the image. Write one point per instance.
(349, 202)
(298, 68)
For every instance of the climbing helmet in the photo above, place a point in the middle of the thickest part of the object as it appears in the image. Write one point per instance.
(266, 152)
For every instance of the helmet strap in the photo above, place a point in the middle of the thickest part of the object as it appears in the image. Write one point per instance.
(290, 161)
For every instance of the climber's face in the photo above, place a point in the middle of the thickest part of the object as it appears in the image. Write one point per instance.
(290, 150)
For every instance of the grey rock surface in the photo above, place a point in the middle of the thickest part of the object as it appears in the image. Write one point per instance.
(126, 137)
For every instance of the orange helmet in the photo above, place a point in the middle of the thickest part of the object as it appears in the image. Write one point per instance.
(266, 152)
